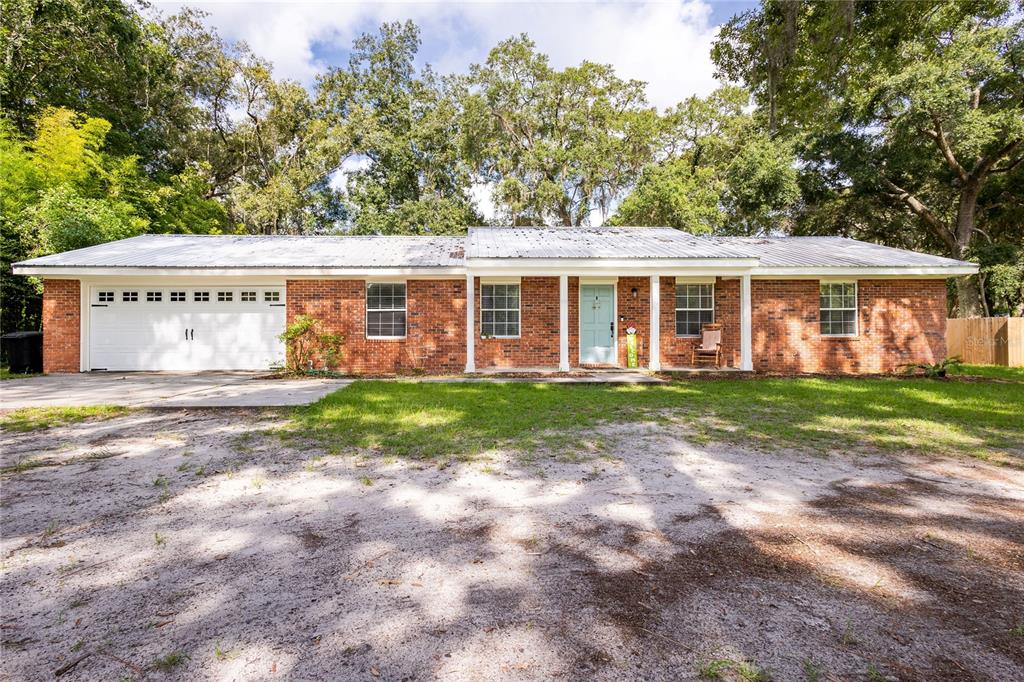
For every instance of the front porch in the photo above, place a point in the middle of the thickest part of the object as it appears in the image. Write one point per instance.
(567, 322)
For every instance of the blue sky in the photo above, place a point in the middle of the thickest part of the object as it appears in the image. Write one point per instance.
(665, 44)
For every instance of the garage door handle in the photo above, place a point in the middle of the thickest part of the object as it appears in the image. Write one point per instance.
(193, 334)
(186, 335)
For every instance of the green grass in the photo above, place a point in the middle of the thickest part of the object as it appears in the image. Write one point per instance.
(5, 374)
(463, 420)
(992, 372)
(35, 418)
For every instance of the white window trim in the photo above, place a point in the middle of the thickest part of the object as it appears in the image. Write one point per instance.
(855, 308)
(366, 310)
(519, 307)
(675, 320)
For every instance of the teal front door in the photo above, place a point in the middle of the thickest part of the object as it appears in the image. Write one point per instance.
(597, 324)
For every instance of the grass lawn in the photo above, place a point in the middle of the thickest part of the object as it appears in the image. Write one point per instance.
(442, 420)
(5, 374)
(992, 372)
(34, 418)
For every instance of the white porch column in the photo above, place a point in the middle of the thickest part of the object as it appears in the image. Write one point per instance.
(655, 343)
(470, 326)
(746, 347)
(563, 323)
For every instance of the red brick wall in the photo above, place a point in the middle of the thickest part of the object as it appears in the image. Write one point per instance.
(62, 318)
(677, 351)
(899, 322)
(635, 312)
(435, 324)
(537, 345)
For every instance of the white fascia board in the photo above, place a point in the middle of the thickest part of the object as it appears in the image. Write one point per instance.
(915, 272)
(291, 273)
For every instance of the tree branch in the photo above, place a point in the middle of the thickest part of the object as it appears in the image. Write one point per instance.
(917, 206)
(984, 165)
(939, 136)
(1007, 168)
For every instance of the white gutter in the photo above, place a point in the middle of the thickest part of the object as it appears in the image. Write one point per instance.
(805, 272)
(514, 267)
(90, 271)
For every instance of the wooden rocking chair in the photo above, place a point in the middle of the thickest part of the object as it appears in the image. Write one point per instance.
(710, 349)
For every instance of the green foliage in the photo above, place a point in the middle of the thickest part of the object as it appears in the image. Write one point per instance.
(400, 129)
(937, 370)
(65, 220)
(722, 173)
(61, 189)
(306, 343)
(1002, 271)
(557, 144)
(908, 117)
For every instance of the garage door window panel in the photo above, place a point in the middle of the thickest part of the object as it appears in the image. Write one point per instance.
(178, 297)
(129, 296)
(201, 296)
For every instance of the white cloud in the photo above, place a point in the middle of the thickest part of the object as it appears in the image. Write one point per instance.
(666, 44)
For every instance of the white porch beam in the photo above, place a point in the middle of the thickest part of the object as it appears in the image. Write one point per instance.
(563, 323)
(746, 346)
(470, 324)
(655, 343)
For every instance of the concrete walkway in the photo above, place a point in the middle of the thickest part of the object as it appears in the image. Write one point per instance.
(164, 389)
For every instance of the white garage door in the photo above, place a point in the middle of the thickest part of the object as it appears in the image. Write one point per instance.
(185, 328)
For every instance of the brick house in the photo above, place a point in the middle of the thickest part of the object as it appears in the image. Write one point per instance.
(497, 298)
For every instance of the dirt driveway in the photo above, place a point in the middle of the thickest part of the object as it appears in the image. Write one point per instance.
(191, 545)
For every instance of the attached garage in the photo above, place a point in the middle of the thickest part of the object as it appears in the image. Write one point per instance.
(153, 326)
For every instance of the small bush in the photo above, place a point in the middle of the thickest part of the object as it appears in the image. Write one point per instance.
(307, 344)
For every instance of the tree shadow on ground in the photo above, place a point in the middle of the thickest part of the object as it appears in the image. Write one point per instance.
(639, 564)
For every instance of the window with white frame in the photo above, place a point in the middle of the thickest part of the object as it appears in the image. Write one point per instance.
(224, 296)
(271, 296)
(105, 297)
(499, 310)
(201, 296)
(177, 297)
(129, 296)
(695, 307)
(154, 296)
(385, 310)
(838, 313)
(248, 297)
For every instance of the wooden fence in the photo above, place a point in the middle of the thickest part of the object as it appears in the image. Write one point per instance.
(987, 340)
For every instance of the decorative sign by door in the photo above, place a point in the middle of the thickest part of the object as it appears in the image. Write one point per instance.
(631, 353)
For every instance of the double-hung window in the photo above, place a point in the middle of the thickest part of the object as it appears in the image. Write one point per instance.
(695, 307)
(499, 310)
(838, 313)
(385, 310)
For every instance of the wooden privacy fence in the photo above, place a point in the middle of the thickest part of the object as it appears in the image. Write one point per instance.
(987, 340)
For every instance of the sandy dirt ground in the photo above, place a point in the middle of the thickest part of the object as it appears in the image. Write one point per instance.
(192, 545)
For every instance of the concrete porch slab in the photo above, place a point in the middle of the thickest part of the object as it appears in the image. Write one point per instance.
(164, 389)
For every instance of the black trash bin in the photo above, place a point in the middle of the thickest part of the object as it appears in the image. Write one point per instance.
(24, 352)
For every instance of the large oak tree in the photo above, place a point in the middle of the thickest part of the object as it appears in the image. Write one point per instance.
(915, 105)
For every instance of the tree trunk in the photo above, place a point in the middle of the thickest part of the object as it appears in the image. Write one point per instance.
(968, 289)
(968, 297)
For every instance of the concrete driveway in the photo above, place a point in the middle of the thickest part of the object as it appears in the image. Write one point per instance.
(164, 389)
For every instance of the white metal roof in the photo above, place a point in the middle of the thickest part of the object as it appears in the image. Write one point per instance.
(593, 242)
(830, 252)
(505, 246)
(232, 251)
